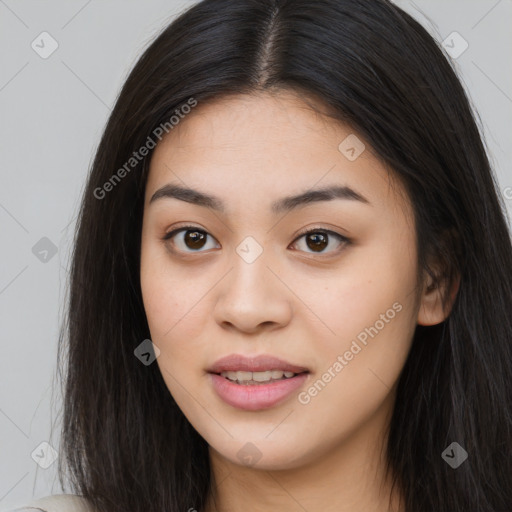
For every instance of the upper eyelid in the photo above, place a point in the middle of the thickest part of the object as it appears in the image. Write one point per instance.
(315, 229)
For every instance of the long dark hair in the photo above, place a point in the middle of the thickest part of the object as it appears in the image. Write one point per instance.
(125, 443)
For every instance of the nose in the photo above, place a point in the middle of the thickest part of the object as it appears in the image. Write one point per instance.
(253, 297)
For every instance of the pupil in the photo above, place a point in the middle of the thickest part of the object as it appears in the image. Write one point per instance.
(319, 241)
(194, 239)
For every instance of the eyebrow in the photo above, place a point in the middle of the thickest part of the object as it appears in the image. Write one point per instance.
(284, 204)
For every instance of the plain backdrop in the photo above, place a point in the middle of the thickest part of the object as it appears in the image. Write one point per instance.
(52, 113)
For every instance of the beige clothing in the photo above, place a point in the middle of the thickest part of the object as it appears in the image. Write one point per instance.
(57, 503)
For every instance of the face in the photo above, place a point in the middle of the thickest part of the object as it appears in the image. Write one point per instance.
(235, 275)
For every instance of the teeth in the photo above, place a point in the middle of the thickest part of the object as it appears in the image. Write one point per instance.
(246, 377)
(261, 376)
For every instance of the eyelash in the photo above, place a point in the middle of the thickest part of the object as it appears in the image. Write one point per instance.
(343, 239)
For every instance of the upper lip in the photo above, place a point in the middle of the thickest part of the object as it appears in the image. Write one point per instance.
(261, 363)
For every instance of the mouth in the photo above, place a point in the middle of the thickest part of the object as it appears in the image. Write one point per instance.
(255, 383)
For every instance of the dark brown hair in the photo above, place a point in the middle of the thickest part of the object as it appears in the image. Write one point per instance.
(125, 443)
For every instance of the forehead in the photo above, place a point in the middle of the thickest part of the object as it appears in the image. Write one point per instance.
(266, 146)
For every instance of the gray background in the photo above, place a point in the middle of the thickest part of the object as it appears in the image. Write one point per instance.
(52, 113)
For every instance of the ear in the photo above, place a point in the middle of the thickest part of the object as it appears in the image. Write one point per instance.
(431, 311)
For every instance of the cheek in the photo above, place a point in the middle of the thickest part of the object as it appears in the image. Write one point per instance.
(355, 297)
(370, 310)
(175, 311)
(357, 368)
(164, 290)
(174, 328)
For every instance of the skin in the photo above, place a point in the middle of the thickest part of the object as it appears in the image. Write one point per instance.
(302, 306)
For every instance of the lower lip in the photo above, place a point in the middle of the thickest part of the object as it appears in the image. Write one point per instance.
(257, 396)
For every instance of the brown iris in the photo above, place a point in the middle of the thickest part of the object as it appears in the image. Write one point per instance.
(317, 241)
(195, 239)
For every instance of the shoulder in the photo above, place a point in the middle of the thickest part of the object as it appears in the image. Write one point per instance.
(57, 503)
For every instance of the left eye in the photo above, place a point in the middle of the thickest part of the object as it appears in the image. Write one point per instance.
(318, 239)
(195, 239)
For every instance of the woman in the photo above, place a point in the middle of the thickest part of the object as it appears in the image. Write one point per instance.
(291, 283)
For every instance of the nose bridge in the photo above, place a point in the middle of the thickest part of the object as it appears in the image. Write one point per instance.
(250, 274)
(251, 294)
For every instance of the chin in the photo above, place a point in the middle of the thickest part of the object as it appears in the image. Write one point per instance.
(261, 453)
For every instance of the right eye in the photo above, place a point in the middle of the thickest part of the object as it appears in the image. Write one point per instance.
(190, 239)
